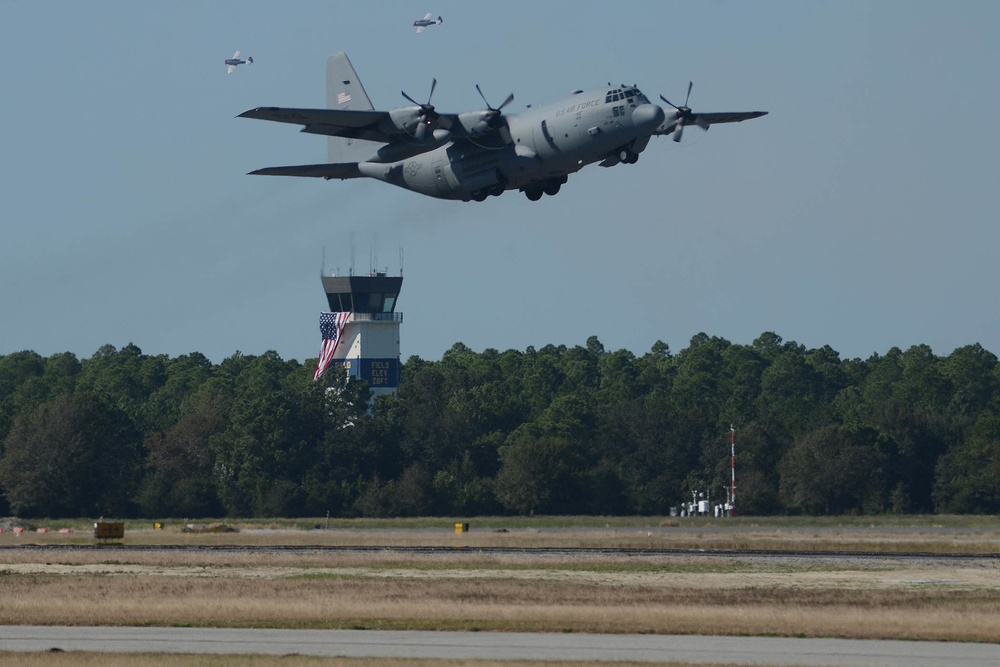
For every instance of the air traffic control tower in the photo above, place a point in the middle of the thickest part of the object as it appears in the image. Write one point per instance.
(369, 344)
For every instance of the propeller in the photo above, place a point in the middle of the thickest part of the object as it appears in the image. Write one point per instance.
(491, 116)
(684, 114)
(427, 114)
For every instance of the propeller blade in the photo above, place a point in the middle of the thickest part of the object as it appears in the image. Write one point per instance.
(683, 113)
(426, 109)
(510, 98)
(421, 131)
(661, 97)
(493, 117)
(403, 93)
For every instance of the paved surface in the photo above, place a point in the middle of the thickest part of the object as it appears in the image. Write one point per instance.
(502, 646)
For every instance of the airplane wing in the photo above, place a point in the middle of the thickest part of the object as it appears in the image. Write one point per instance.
(420, 29)
(351, 124)
(236, 56)
(230, 68)
(370, 125)
(706, 120)
(341, 170)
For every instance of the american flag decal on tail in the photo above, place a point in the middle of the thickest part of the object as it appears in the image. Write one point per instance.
(343, 98)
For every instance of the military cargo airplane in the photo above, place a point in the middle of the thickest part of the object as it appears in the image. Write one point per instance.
(426, 21)
(475, 154)
(231, 63)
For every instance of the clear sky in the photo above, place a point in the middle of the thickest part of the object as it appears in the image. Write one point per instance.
(861, 213)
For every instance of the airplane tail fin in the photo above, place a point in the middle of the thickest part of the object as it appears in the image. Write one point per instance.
(440, 20)
(250, 59)
(344, 91)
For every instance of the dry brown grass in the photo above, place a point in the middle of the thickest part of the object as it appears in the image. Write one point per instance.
(925, 599)
(846, 597)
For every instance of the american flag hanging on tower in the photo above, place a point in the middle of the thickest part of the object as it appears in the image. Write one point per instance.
(331, 326)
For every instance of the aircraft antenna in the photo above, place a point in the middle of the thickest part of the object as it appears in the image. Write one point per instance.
(400, 261)
(322, 268)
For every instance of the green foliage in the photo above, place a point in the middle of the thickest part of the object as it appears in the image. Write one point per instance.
(969, 475)
(73, 456)
(836, 470)
(553, 430)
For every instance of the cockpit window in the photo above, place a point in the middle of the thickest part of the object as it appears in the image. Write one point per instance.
(622, 93)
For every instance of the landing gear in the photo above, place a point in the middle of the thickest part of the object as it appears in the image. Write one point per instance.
(626, 156)
(551, 187)
(494, 190)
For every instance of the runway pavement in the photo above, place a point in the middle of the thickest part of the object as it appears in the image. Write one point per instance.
(502, 646)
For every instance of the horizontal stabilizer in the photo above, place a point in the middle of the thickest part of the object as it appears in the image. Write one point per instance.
(342, 171)
(335, 118)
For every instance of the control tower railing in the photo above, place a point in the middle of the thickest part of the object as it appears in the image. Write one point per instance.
(376, 317)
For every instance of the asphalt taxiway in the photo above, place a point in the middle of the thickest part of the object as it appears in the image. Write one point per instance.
(501, 646)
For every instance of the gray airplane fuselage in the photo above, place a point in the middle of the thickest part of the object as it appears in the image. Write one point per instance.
(475, 154)
(609, 125)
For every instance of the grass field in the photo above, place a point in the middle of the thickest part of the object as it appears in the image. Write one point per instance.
(912, 533)
(927, 598)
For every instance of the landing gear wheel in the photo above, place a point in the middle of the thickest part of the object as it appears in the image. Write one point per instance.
(497, 190)
(552, 189)
(533, 195)
(480, 195)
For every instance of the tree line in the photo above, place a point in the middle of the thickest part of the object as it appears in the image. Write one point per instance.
(556, 430)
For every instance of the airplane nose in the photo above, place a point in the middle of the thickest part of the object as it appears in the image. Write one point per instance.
(647, 117)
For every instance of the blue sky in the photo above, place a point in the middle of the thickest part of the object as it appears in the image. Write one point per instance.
(861, 213)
